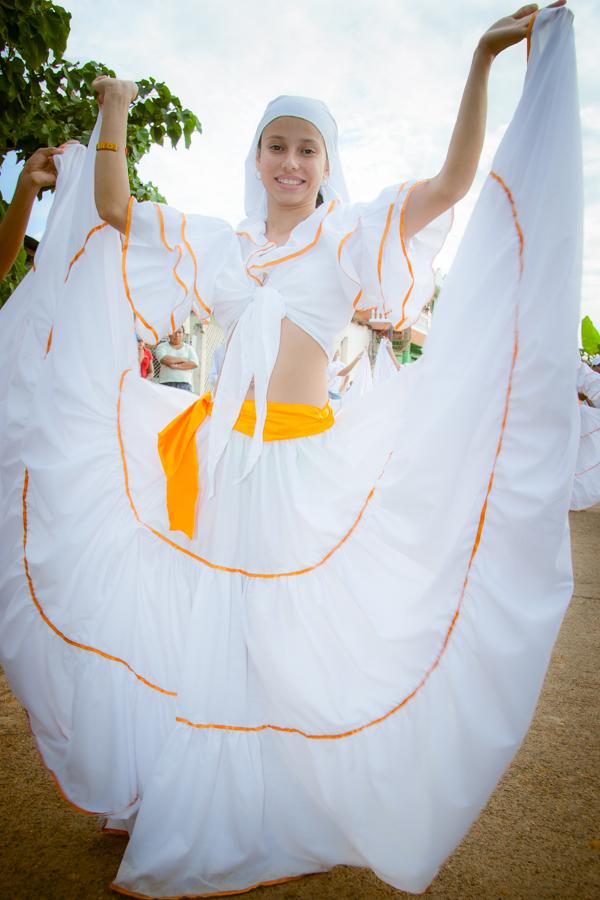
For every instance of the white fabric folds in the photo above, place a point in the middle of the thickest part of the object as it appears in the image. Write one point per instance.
(342, 663)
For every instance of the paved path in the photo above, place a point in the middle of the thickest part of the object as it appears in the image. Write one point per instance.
(539, 837)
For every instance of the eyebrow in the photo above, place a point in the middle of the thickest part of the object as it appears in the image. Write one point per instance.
(279, 137)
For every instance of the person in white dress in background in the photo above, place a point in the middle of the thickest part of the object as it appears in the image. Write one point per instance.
(586, 484)
(386, 364)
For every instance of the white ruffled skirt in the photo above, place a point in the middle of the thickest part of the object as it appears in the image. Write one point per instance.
(342, 663)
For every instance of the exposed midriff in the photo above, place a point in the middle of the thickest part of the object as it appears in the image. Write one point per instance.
(300, 371)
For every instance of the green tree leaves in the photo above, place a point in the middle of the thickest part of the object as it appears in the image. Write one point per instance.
(590, 337)
(46, 99)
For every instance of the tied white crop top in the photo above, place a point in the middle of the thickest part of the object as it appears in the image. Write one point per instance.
(344, 257)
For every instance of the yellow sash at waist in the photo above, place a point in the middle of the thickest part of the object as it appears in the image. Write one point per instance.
(177, 446)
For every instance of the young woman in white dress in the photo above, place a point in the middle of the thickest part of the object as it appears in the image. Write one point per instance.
(261, 641)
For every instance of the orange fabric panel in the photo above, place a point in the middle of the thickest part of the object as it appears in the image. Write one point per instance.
(177, 451)
(285, 421)
(177, 447)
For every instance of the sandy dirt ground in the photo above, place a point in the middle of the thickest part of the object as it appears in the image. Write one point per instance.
(538, 838)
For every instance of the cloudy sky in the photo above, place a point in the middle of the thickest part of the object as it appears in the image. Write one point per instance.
(392, 72)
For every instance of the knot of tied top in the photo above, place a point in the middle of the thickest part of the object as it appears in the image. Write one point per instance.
(251, 353)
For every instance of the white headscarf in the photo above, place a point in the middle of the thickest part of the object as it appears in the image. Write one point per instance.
(315, 112)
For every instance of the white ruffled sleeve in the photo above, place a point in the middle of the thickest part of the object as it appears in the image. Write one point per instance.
(393, 275)
(170, 265)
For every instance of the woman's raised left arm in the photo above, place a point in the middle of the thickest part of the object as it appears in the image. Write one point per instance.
(432, 198)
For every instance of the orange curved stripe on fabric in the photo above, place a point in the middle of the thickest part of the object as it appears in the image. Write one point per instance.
(201, 559)
(342, 242)
(339, 256)
(254, 278)
(515, 216)
(253, 887)
(179, 280)
(480, 526)
(177, 248)
(386, 229)
(402, 229)
(49, 341)
(161, 227)
(124, 272)
(52, 626)
(181, 283)
(195, 264)
(81, 251)
(124, 373)
(529, 31)
(59, 787)
(297, 253)
(251, 256)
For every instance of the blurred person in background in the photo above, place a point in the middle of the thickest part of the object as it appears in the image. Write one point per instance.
(177, 361)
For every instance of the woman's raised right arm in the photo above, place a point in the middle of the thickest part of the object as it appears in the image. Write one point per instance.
(111, 181)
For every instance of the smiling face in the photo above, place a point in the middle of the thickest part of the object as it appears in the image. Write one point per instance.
(292, 161)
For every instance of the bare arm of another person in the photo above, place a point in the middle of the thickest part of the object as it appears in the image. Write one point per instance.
(346, 371)
(111, 181)
(39, 171)
(390, 350)
(433, 197)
